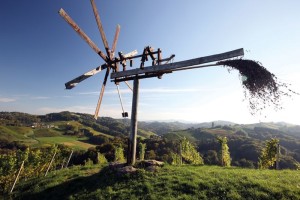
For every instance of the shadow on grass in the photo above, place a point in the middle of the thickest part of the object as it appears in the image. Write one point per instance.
(97, 185)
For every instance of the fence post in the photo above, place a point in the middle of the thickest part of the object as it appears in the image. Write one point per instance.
(50, 163)
(12, 188)
(69, 159)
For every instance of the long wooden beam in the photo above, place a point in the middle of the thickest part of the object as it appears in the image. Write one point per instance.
(81, 33)
(75, 81)
(178, 65)
(99, 24)
(113, 48)
(71, 84)
(101, 93)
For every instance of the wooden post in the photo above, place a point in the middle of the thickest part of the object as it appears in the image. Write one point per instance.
(69, 159)
(63, 163)
(133, 127)
(12, 188)
(50, 163)
(180, 153)
(277, 157)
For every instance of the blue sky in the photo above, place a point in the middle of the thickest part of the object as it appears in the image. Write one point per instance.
(39, 52)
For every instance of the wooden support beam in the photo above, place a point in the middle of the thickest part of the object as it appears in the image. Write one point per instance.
(151, 52)
(167, 60)
(133, 126)
(177, 65)
(130, 78)
(159, 56)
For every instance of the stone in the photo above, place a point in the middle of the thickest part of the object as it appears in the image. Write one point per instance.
(127, 170)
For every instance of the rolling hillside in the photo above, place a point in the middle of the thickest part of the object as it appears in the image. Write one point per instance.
(81, 131)
(170, 182)
(76, 130)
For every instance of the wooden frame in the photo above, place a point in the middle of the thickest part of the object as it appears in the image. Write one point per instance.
(177, 65)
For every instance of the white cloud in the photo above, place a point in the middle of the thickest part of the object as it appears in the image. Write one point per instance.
(6, 100)
(149, 90)
(39, 98)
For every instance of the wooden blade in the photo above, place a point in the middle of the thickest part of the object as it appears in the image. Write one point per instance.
(71, 84)
(113, 48)
(100, 27)
(101, 93)
(86, 38)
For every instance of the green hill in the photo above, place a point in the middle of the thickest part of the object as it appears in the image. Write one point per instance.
(170, 182)
(82, 131)
(76, 130)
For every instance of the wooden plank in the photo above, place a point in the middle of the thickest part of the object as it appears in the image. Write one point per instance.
(177, 65)
(82, 34)
(71, 84)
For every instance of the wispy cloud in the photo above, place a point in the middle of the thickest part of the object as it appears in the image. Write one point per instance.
(170, 90)
(6, 100)
(39, 98)
(148, 90)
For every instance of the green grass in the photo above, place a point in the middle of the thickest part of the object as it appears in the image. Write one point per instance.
(71, 141)
(145, 134)
(171, 182)
(38, 137)
(47, 132)
(20, 134)
(63, 124)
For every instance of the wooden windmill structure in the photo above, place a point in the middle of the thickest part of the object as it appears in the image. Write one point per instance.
(159, 67)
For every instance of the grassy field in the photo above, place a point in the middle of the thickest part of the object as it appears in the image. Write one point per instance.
(37, 137)
(170, 182)
(71, 141)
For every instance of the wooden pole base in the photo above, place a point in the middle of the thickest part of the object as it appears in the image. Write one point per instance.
(133, 128)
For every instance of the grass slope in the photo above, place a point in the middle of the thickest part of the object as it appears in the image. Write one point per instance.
(21, 134)
(171, 182)
(71, 141)
(38, 137)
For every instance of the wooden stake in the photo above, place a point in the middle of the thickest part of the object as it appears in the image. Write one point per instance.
(50, 163)
(133, 132)
(69, 159)
(62, 164)
(12, 188)
(277, 157)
